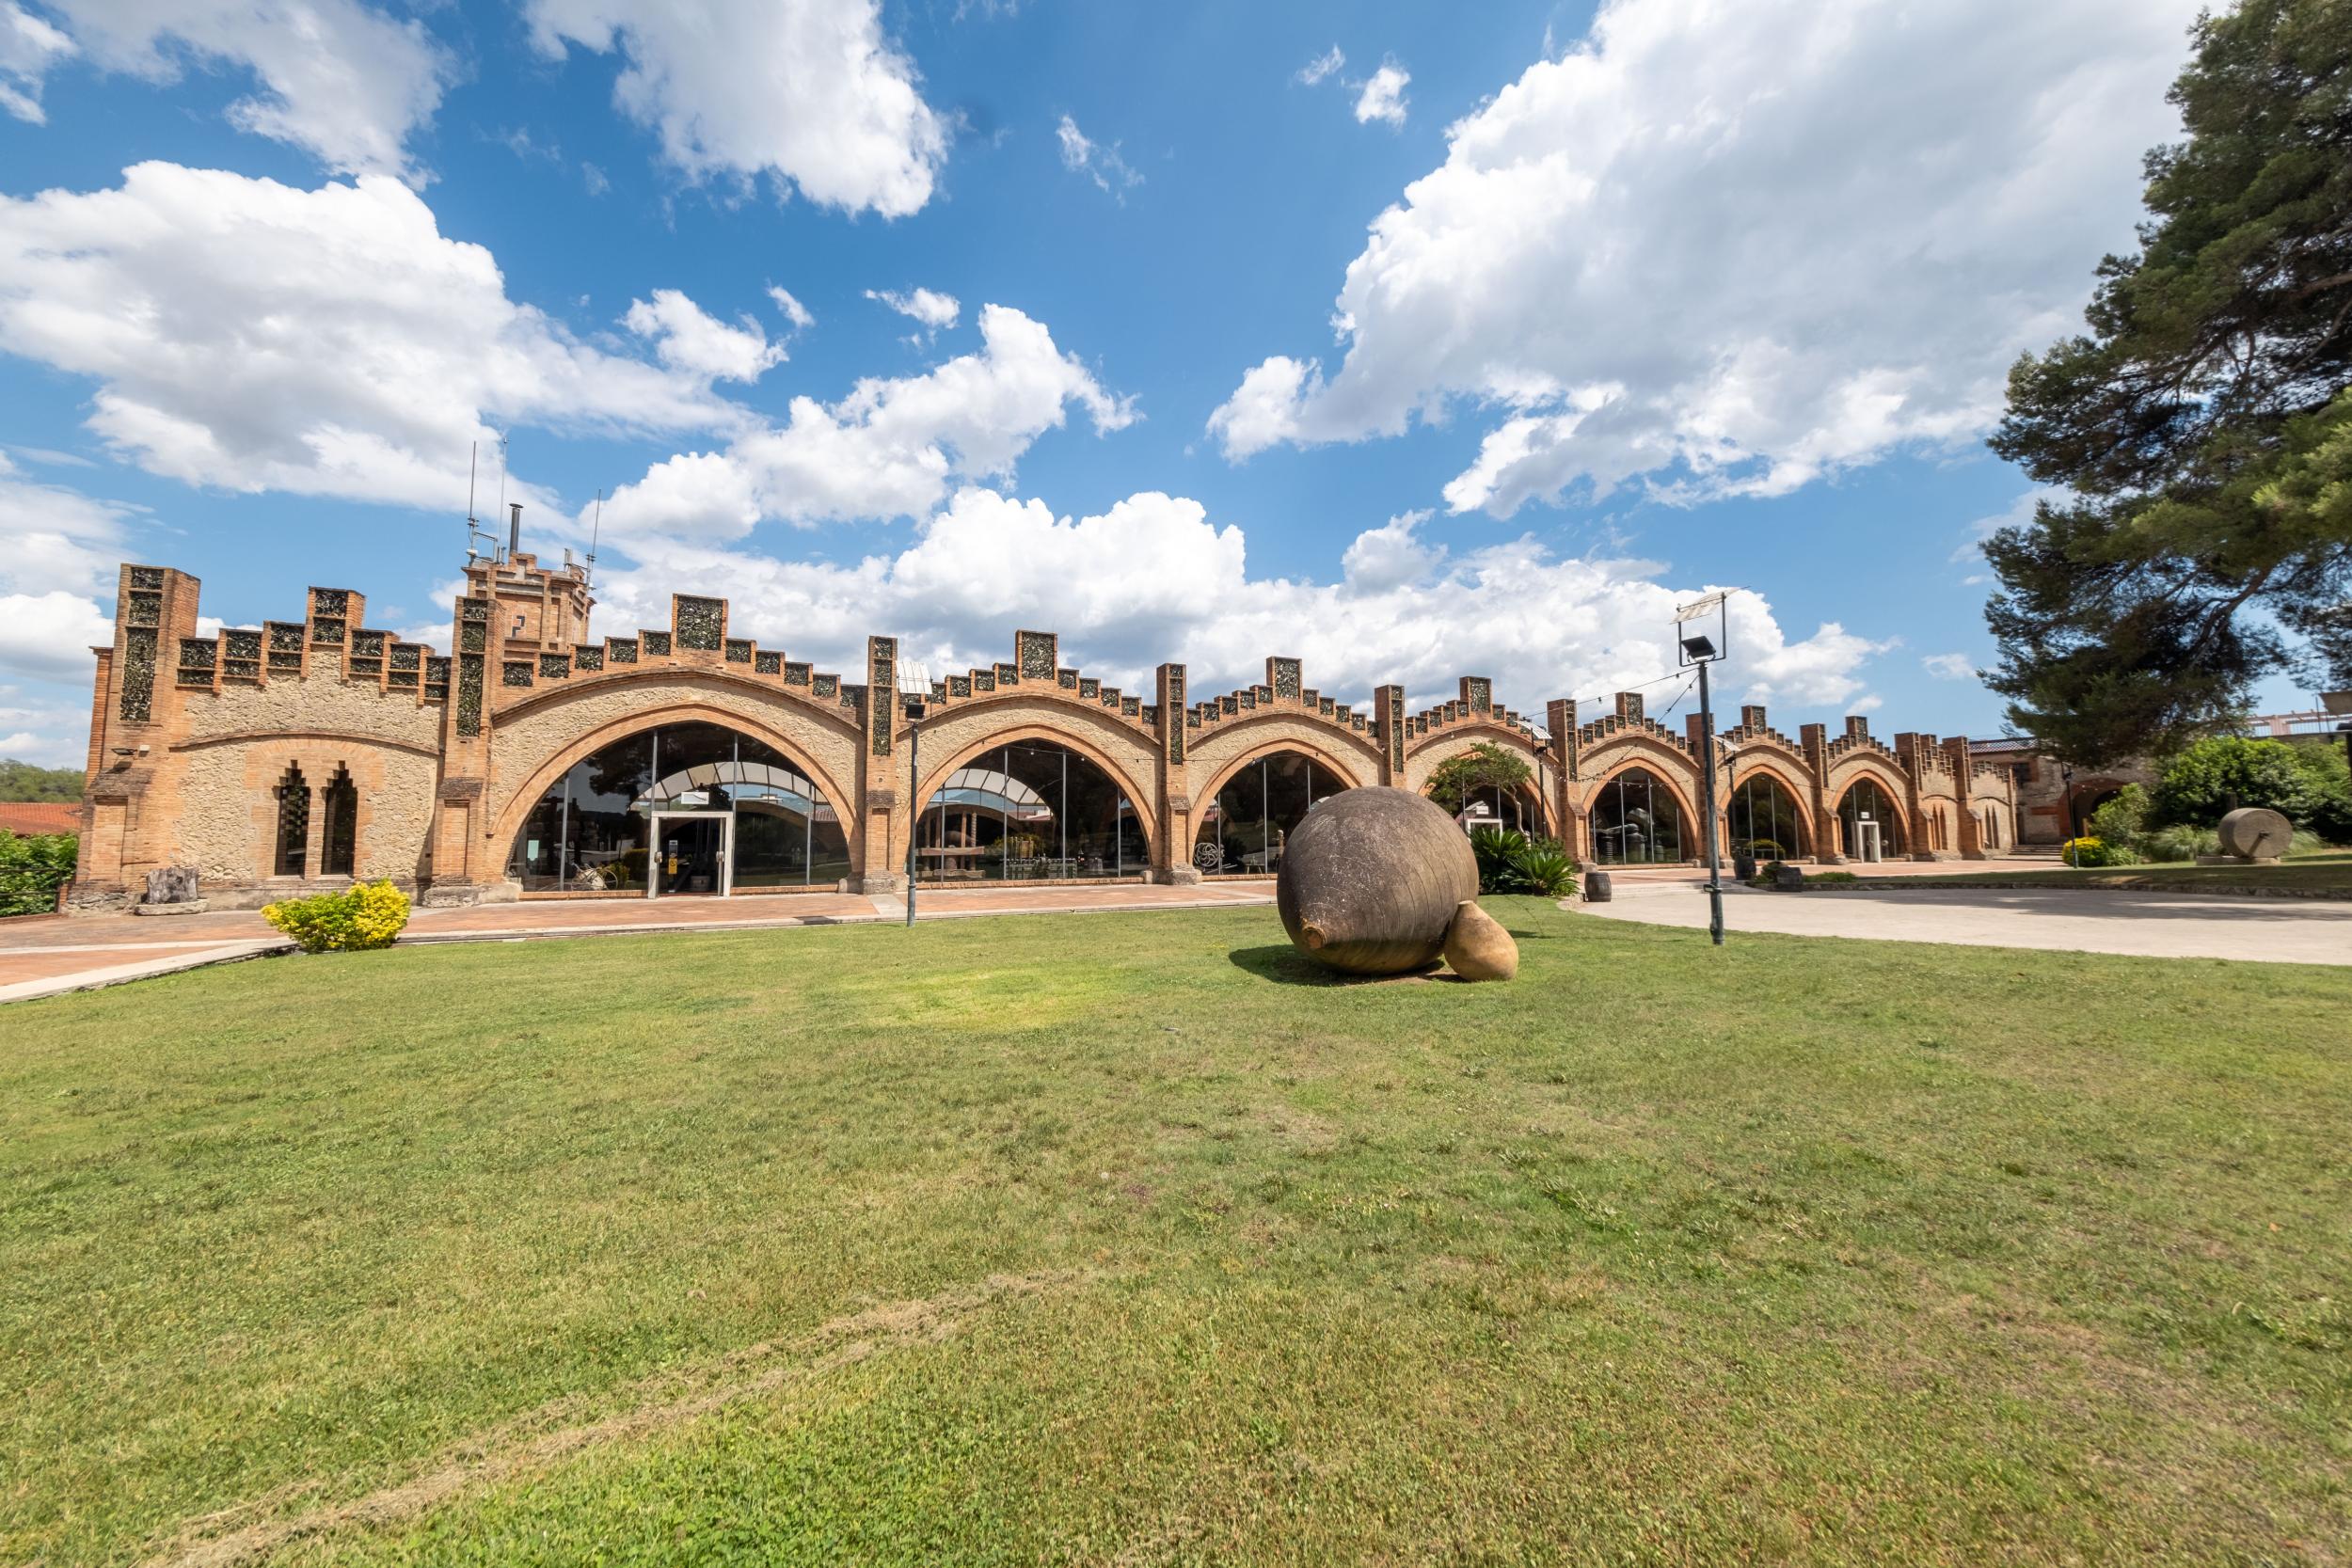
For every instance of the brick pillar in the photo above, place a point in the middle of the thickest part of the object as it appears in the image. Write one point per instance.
(458, 860)
(1560, 718)
(1829, 849)
(883, 811)
(1172, 844)
(1964, 770)
(1388, 722)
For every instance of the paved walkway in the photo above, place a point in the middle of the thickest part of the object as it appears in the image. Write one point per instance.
(43, 955)
(2070, 920)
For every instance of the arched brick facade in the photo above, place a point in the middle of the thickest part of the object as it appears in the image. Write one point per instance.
(450, 752)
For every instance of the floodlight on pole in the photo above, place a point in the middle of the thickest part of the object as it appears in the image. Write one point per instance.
(1696, 645)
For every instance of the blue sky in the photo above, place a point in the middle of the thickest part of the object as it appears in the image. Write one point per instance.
(1417, 340)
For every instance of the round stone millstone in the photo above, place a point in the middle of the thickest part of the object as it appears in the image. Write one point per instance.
(2255, 833)
(1371, 879)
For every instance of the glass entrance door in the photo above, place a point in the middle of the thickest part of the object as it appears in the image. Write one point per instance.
(689, 853)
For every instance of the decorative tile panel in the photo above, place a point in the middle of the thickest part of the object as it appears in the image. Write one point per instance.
(1478, 693)
(1392, 729)
(148, 576)
(881, 677)
(435, 679)
(138, 673)
(1066, 679)
(1131, 706)
(701, 622)
(241, 654)
(1006, 675)
(1327, 706)
(199, 657)
(621, 650)
(796, 672)
(1038, 652)
(1172, 704)
(1229, 704)
(983, 680)
(824, 686)
(656, 643)
(588, 656)
(143, 608)
(767, 663)
(1247, 699)
(473, 638)
(1090, 687)
(739, 650)
(959, 685)
(469, 676)
(1265, 695)
(368, 645)
(334, 603)
(285, 645)
(514, 672)
(328, 634)
(1284, 676)
(554, 667)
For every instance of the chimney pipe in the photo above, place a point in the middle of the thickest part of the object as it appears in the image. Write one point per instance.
(514, 527)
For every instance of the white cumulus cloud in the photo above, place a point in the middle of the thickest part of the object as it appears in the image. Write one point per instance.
(892, 447)
(251, 335)
(934, 310)
(1382, 96)
(1949, 667)
(687, 338)
(1729, 248)
(344, 80)
(28, 47)
(807, 92)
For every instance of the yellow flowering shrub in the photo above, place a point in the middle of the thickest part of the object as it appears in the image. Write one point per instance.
(368, 914)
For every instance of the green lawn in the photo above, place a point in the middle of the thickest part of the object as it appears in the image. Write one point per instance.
(2325, 875)
(1117, 1239)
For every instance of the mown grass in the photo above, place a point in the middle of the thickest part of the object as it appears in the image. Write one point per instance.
(2324, 875)
(1794, 1251)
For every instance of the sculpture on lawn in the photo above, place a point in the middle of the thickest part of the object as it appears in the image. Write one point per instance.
(1375, 880)
(2255, 833)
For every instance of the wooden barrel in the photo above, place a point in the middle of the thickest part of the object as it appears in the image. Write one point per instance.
(1371, 879)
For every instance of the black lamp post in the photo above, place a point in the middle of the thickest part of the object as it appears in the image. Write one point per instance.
(1696, 647)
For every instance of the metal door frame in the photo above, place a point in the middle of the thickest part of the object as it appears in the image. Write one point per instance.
(726, 853)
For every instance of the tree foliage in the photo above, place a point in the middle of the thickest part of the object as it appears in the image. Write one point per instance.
(2305, 782)
(32, 868)
(2199, 434)
(22, 781)
(1458, 779)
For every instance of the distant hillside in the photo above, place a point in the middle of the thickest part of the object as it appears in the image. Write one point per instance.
(22, 781)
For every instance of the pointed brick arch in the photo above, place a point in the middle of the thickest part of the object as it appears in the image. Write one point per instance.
(515, 812)
(1042, 728)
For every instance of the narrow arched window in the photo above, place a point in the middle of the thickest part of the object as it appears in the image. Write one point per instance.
(294, 822)
(339, 825)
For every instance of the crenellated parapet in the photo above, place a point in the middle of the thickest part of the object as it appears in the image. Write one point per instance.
(1629, 719)
(1035, 671)
(1285, 690)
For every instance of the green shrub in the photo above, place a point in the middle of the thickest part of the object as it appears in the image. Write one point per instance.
(2304, 781)
(2121, 819)
(2089, 851)
(1832, 879)
(2179, 844)
(32, 868)
(366, 915)
(1511, 861)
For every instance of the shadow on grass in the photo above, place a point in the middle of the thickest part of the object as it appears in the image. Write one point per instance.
(1286, 965)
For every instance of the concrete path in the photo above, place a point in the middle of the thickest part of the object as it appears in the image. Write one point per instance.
(45, 955)
(2069, 920)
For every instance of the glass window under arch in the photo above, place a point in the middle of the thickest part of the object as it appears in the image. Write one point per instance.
(1866, 803)
(1765, 819)
(1029, 811)
(593, 829)
(1636, 822)
(1243, 831)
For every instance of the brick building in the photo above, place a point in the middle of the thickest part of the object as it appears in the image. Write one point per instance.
(534, 760)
